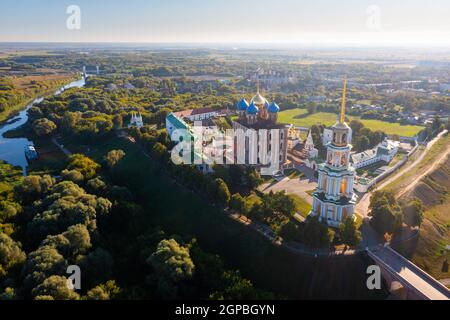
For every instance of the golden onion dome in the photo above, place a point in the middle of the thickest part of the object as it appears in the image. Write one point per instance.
(258, 100)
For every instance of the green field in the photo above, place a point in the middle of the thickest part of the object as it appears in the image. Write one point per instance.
(299, 117)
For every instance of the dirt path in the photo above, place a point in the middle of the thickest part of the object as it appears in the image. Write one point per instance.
(66, 151)
(362, 207)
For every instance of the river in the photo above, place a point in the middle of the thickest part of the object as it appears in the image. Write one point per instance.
(12, 150)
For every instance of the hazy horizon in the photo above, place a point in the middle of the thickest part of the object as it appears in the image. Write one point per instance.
(413, 23)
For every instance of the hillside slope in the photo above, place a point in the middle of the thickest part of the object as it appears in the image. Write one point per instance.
(429, 251)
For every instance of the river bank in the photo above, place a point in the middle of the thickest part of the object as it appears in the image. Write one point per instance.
(13, 111)
(12, 146)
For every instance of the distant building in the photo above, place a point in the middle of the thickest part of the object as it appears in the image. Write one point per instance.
(198, 114)
(312, 153)
(385, 151)
(136, 120)
(270, 78)
(111, 87)
(128, 86)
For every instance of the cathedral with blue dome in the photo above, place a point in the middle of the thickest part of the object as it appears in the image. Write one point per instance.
(259, 110)
(261, 115)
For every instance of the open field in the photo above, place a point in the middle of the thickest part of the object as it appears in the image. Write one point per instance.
(299, 117)
(20, 91)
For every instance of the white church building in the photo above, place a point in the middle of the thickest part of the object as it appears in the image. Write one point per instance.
(334, 199)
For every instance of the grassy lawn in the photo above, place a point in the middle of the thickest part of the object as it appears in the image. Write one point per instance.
(293, 173)
(302, 207)
(299, 117)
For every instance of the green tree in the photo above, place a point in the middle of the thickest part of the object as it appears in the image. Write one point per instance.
(385, 211)
(362, 143)
(43, 127)
(386, 219)
(33, 187)
(41, 264)
(113, 158)
(105, 291)
(316, 233)
(11, 254)
(172, 263)
(356, 126)
(235, 287)
(238, 203)
(253, 178)
(159, 150)
(55, 287)
(221, 193)
(413, 212)
(72, 175)
(76, 240)
(83, 164)
(349, 234)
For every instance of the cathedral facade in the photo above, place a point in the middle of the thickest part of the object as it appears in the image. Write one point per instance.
(261, 117)
(334, 199)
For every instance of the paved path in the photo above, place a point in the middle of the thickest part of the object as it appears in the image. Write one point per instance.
(298, 186)
(362, 207)
(66, 151)
(411, 274)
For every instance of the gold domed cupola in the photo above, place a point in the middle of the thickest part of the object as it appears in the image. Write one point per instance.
(259, 100)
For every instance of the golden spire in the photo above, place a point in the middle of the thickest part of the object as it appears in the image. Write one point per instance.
(344, 92)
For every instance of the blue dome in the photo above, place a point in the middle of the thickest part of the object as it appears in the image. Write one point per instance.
(252, 109)
(273, 108)
(266, 104)
(242, 105)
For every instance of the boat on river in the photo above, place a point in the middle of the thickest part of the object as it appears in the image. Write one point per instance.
(30, 152)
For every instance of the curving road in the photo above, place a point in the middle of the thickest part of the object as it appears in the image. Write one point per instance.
(362, 207)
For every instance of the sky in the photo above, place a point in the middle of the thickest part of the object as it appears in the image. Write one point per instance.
(373, 22)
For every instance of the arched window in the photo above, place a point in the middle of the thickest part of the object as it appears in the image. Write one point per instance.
(344, 138)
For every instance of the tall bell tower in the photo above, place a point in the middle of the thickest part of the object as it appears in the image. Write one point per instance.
(334, 199)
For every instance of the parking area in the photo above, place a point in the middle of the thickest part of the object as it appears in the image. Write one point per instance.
(298, 186)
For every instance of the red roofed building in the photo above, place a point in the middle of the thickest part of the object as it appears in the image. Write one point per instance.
(199, 114)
